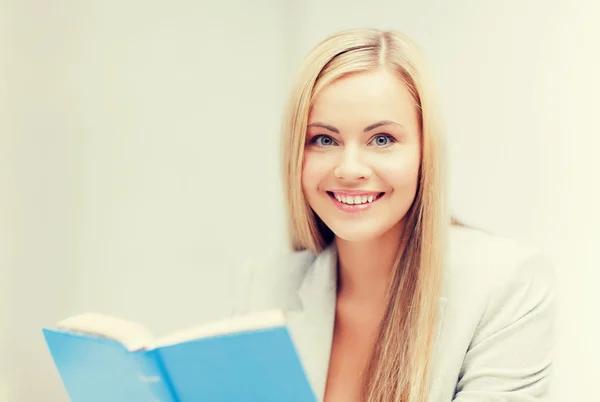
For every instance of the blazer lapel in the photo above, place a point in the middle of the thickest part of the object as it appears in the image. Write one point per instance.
(312, 326)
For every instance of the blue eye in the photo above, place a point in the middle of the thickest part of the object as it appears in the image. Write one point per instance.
(382, 140)
(322, 140)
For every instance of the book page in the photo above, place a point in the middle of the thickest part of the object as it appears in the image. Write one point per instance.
(132, 335)
(249, 322)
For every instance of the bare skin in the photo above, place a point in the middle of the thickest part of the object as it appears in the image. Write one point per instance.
(361, 304)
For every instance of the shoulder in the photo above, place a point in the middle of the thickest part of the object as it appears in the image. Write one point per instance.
(270, 281)
(500, 315)
(491, 282)
(489, 262)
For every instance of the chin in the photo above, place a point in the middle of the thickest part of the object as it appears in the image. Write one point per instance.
(351, 232)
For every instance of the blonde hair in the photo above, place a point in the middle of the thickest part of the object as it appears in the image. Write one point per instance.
(401, 359)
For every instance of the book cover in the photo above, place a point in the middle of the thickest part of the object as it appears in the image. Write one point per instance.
(248, 359)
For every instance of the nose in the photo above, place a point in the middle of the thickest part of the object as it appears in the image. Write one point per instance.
(351, 166)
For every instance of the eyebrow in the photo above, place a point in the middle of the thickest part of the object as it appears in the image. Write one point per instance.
(368, 128)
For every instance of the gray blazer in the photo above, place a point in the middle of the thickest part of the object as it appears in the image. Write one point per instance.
(495, 334)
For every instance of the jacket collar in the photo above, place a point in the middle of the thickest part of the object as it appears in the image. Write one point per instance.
(312, 325)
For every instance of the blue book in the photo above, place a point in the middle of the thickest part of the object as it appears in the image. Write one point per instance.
(250, 358)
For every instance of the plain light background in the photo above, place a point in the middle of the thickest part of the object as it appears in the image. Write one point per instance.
(139, 153)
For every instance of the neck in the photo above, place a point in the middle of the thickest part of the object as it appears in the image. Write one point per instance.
(365, 267)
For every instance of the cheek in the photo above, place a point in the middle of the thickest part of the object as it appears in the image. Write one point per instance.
(400, 173)
(315, 169)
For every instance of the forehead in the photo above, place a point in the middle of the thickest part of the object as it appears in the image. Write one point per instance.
(365, 97)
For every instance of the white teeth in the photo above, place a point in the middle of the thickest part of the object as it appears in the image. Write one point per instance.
(354, 200)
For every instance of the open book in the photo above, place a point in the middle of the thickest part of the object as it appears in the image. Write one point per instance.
(247, 358)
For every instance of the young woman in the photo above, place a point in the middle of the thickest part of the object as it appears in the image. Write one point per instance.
(387, 297)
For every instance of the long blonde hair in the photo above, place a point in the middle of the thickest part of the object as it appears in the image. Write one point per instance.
(401, 359)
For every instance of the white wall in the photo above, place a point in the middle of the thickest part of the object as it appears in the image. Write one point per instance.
(141, 157)
(6, 204)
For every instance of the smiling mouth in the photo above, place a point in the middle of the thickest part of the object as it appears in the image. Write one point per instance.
(355, 199)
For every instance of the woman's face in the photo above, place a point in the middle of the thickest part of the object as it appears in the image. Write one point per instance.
(362, 155)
